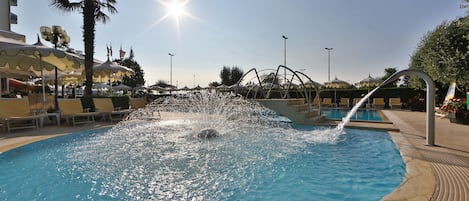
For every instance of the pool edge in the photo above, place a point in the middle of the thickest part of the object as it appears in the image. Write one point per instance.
(8, 143)
(419, 180)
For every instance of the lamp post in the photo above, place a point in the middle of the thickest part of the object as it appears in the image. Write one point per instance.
(59, 37)
(171, 68)
(285, 56)
(328, 63)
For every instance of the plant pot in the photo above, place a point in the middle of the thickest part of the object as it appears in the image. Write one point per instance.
(459, 117)
(452, 117)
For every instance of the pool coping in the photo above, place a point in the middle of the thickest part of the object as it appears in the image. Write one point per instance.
(9, 141)
(419, 180)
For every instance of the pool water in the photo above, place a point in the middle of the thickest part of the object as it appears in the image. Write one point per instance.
(247, 164)
(361, 115)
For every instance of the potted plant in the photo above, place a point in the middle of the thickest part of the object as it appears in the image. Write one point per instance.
(457, 111)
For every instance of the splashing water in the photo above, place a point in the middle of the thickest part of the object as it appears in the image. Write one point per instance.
(164, 160)
(349, 115)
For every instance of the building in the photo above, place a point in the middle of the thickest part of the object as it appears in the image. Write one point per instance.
(7, 18)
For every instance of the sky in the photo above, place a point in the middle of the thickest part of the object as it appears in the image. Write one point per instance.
(367, 36)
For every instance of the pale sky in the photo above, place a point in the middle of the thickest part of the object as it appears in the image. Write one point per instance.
(367, 35)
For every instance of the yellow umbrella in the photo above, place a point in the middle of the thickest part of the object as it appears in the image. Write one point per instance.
(37, 58)
(110, 71)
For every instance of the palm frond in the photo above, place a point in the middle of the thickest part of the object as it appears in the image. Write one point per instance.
(66, 5)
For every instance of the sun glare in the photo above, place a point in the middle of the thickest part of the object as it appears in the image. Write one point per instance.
(176, 9)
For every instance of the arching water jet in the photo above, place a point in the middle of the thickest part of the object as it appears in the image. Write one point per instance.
(430, 134)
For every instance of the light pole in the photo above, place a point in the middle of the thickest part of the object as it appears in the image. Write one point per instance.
(59, 37)
(329, 63)
(285, 56)
(171, 68)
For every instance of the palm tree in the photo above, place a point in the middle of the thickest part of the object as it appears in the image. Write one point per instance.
(92, 12)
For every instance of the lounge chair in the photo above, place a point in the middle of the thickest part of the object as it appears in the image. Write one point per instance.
(15, 114)
(367, 104)
(395, 102)
(344, 102)
(315, 102)
(378, 103)
(36, 102)
(136, 103)
(355, 101)
(327, 102)
(72, 109)
(105, 107)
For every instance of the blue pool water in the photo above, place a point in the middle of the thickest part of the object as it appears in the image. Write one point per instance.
(163, 161)
(362, 114)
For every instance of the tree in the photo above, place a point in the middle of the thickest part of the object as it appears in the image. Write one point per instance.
(137, 79)
(214, 84)
(387, 73)
(443, 53)
(236, 74)
(92, 12)
(271, 79)
(225, 75)
(162, 84)
(230, 76)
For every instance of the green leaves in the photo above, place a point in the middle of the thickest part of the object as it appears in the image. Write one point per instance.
(443, 53)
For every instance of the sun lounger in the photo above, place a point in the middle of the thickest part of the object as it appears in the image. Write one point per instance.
(73, 112)
(315, 102)
(136, 103)
(105, 107)
(344, 102)
(395, 102)
(36, 102)
(355, 101)
(15, 114)
(327, 102)
(378, 103)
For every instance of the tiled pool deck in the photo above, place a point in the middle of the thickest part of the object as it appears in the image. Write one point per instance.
(432, 173)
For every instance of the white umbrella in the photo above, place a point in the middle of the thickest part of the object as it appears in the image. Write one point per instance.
(37, 58)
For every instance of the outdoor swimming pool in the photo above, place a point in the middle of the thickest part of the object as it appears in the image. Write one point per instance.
(362, 114)
(253, 158)
(360, 165)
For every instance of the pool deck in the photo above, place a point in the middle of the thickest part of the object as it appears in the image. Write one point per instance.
(432, 172)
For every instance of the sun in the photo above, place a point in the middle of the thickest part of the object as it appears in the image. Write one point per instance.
(176, 9)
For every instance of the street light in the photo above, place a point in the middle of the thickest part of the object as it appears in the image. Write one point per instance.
(285, 56)
(329, 63)
(59, 37)
(171, 68)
